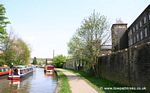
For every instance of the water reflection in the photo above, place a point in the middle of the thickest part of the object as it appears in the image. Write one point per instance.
(15, 83)
(39, 82)
(48, 74)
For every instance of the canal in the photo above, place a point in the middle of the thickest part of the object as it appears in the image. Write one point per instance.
(38, 82)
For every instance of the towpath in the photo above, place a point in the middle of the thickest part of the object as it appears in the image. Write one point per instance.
(77, 84)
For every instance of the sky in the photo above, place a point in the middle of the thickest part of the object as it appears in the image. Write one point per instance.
(47, 25)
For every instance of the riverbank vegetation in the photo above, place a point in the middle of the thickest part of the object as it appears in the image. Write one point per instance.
(63, 85)
(12, 49)
(59, 60)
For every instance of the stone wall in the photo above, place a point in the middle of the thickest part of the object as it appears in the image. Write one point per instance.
(114, 67)
(129, 66)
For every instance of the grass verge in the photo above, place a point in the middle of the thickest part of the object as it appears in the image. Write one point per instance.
(63, 85)
(105, 86)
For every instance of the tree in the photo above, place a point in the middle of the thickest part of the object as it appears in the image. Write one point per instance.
(59, 60)
(23, 52)
(15, 51)
(3, 23)
(3, 33)
(34, 61)
(9, 54)
(87, 41)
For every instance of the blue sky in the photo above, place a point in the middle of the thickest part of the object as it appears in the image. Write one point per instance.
(49, 24)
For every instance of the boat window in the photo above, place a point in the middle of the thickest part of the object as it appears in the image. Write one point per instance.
(7, 69)
(15, 71)
(1, 70)
(20, 71)
(4, 69)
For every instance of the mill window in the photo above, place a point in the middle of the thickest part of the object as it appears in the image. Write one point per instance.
(141, 35)
(133, 29)
(145, 30)
(131, 41)
(149, 16)
(137, 27)
(140, 23)
(144, 19)
(137, 36)
(134, 39)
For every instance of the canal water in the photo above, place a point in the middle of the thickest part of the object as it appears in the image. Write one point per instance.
(38, 82)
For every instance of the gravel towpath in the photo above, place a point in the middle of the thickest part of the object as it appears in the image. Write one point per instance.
(77, 84)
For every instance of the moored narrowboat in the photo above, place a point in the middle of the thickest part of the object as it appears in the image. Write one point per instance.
(49, 69)
(4, 71)
(18, 72)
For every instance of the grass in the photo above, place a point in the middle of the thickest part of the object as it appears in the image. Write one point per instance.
(63, 85)
(102, 85)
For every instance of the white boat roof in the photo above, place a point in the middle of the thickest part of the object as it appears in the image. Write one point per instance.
(20, 66)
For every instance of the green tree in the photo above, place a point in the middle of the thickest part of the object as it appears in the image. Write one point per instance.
(3, 22)
(34, 61)
(59, 60)
(3, 33)
(87, 41)
(15, 51)
(23, 52)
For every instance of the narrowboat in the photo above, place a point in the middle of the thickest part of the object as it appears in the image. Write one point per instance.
(4, 71)
(49, 69)
(18, 72)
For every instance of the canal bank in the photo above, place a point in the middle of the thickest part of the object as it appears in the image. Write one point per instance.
(76, 83)
(63, 85)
